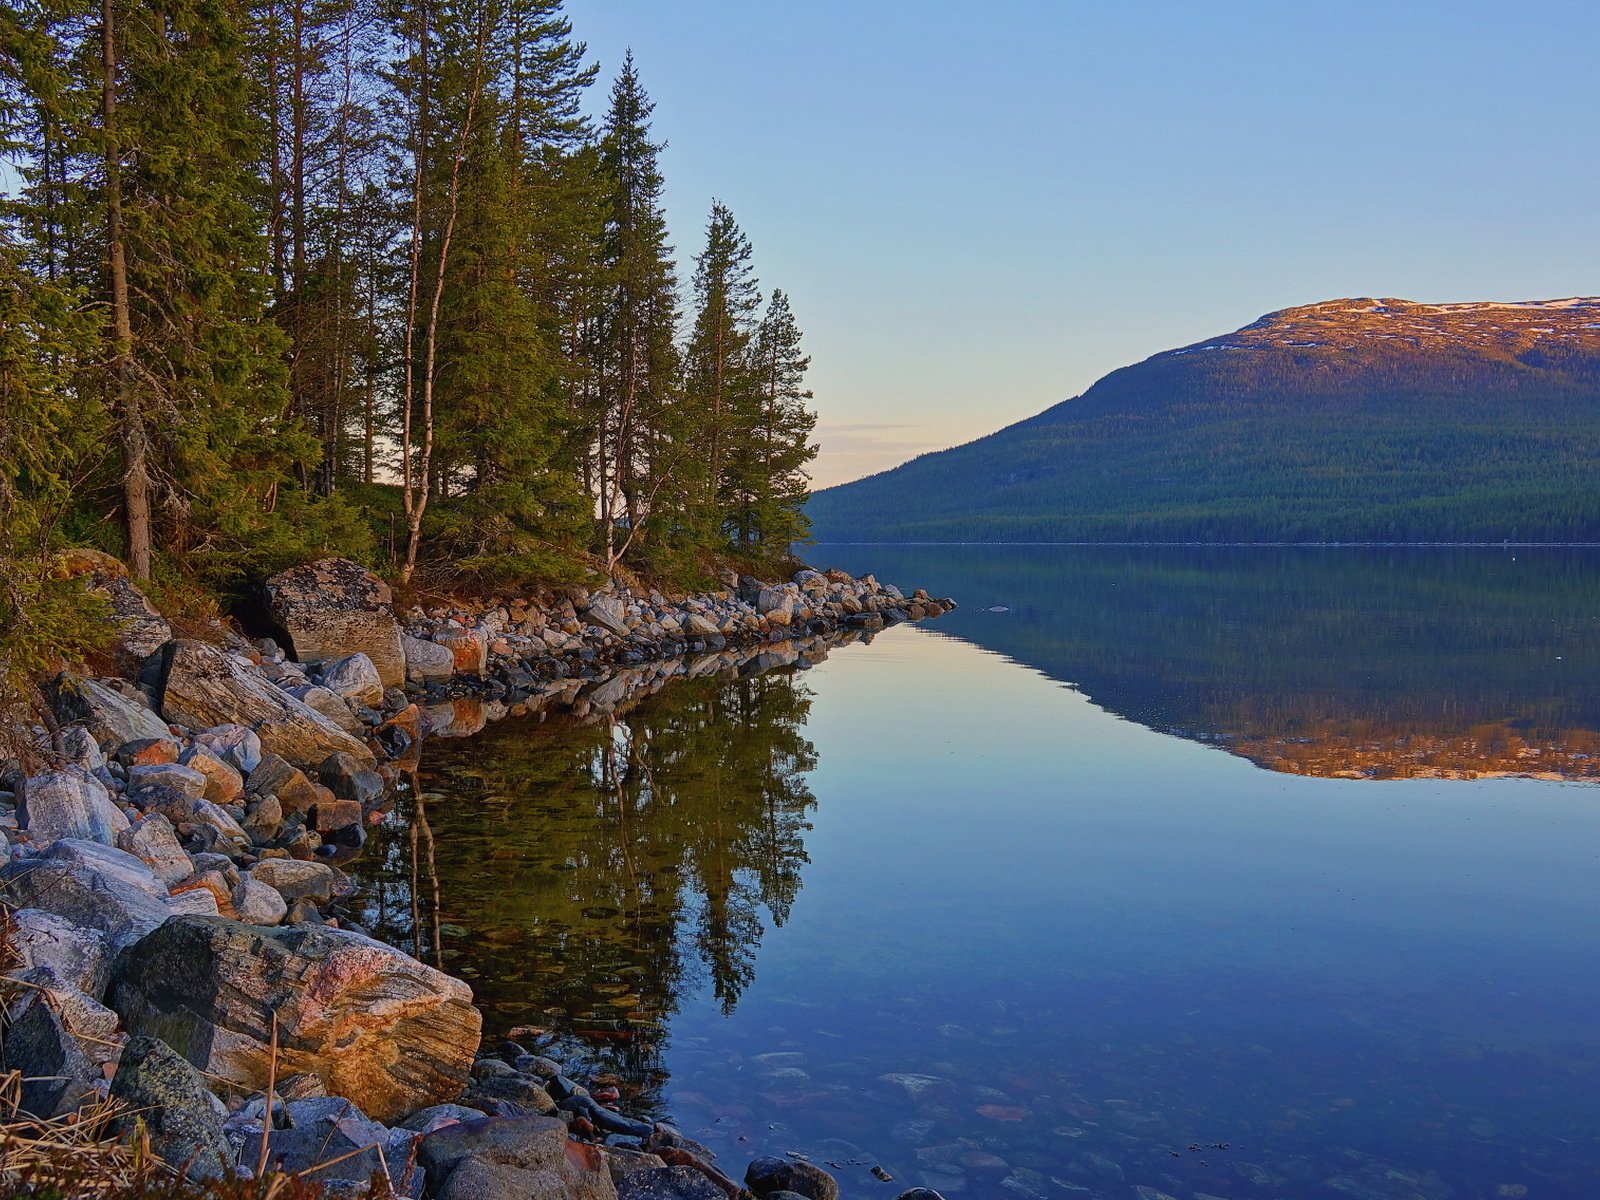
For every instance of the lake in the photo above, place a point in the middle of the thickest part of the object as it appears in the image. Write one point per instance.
(1258, 873)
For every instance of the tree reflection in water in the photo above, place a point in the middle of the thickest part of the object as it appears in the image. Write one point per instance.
(582, 877)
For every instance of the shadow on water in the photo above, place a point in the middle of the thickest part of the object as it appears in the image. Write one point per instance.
(1338, 661)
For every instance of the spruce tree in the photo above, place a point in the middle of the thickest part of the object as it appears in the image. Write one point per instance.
(642, 454)
(717, 377)
(777, 454)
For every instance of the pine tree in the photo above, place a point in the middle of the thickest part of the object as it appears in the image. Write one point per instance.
(500, 447)
(717, 379)
(640, 454)
(776, 455)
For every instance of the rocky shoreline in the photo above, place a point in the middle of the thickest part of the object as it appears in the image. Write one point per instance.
(174, 922)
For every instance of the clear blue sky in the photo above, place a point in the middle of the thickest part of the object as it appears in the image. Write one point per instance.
(978, 209)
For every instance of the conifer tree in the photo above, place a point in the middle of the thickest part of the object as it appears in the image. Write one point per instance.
(640, 454)
(718, 383)
(775, 456)
(210, 383)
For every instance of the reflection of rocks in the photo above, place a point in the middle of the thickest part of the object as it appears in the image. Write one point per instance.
(521, 645)
(622, 688)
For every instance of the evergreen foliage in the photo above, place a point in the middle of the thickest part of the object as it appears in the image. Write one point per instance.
(291, 277)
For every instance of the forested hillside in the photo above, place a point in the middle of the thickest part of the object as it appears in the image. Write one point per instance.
(1354, 420)
(281, 278)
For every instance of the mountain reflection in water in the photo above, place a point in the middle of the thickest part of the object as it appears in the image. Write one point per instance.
(1338, 661)
(1042, 951)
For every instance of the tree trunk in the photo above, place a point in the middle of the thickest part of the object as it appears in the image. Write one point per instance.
(130, 417)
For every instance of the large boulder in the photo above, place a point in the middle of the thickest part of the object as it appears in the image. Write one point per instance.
(203, 686)
(167, 1095)
(528, 1158)
(139, 630)
(69, 804)
(91, 885)
(427, 662)
(372, 1024)
(332, 608)
(112, 710)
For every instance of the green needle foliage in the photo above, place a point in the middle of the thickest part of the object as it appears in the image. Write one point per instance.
(267, 261)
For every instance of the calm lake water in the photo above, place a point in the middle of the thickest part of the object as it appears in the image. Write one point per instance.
(1201, 873)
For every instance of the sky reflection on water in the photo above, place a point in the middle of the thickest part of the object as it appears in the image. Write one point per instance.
(1101, 944)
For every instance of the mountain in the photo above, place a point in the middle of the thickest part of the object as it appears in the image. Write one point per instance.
(1352, 421)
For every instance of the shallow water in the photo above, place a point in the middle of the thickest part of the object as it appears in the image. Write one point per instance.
(1005, 904)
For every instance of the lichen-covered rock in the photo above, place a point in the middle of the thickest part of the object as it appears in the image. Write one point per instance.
(169, 1097)
(139, 629)
(70, 803)
(112, 710)
(666, 1183)
(469, 649)
(144, 752)
(202, 686)
(371, 1023)
(332, 608)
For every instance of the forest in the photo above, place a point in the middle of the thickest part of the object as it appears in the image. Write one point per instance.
(389, 280)
(1377, 442)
